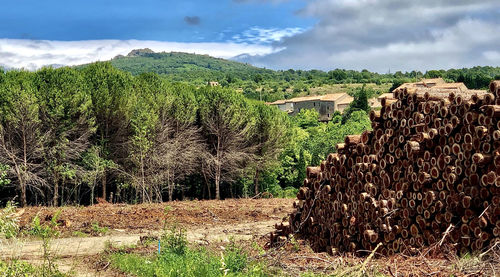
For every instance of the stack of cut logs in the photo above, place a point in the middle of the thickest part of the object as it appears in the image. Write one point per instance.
(428, 173)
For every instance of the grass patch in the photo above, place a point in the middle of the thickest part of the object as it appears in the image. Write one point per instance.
(176, 258)
(79, 234)
(17, 268)
(98, 230)
(9, 221)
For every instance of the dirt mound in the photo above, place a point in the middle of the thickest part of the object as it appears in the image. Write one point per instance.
(153, 216)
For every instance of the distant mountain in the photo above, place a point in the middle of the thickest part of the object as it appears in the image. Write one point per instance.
(185, 66)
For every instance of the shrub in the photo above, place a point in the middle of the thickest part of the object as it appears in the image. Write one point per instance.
(16, 268)
(44, 231)
(9, 226)
(174, 240)
(234, 258)
(98, 230)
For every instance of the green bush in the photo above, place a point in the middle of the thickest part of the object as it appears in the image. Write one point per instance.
(234, 259)
(9, 226)
(189, 262)
(168, 263)
(174, 241)
(44, 231)
(16, 268)
(98, 230)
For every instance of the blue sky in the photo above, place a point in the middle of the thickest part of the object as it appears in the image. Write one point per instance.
(180, 21)
(378, 35)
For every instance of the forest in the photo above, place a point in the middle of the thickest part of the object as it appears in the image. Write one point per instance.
(97, 133)
(271, 85)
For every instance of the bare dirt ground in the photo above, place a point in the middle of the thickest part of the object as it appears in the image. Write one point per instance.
(206, 223)
(146, 217)
(211, 224)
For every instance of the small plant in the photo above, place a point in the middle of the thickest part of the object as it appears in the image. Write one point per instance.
(16, 268)
(174, 240)
(46, 232)
(258, 248)
(167, 209)
(234, 259)
(295, 244)
(9, 221)
(98, 230)
(79, 234)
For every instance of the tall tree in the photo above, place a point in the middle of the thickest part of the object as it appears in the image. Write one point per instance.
(269, 137)
(65, 114)
(110, 91)
(227, 130)
(22, 139)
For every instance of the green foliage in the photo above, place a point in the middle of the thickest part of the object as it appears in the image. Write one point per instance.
(15, 268)
(9, 222)
(98, 230)
(97, 127)
(192, 262)
(360, 103)
(269, 85)
(234, 259)
(79, 234)
(307, 118)
(174, 240)
(46, 230)
(3, 175)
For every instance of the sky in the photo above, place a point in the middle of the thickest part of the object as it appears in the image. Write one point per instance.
(378, 35)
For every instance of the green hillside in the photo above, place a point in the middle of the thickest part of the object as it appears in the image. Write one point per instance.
(188, 67)
(270, 85)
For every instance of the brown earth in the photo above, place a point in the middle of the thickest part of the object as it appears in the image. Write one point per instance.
(212, 224)
(148, 217)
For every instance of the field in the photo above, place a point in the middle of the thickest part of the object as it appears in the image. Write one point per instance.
(90, 236)
(339, 88)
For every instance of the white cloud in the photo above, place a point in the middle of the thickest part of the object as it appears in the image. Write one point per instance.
(396, 34)
(33, 54)
(259, 35)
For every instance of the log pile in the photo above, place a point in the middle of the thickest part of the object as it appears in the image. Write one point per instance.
(428, 172)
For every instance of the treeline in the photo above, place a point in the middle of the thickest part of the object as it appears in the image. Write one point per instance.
(270, 85)
(69, 136)
(290, 83)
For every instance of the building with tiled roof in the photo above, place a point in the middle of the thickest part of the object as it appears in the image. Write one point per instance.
(326, 104)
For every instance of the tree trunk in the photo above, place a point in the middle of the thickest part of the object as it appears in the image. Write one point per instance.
(206, 182)
(23, 195)
(104, 185)
(92, 196)
(170, 187)
(217, 184)
(56, 193)
(256, 181)
(218, 171)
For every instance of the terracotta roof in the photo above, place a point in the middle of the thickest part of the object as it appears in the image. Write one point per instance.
(278, 102)
(344, 100)
(305, 98)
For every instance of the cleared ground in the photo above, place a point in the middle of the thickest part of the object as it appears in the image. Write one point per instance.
(212, 224)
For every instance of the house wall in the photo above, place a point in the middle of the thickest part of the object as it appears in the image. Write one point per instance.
(342, 107)
(324, 108)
